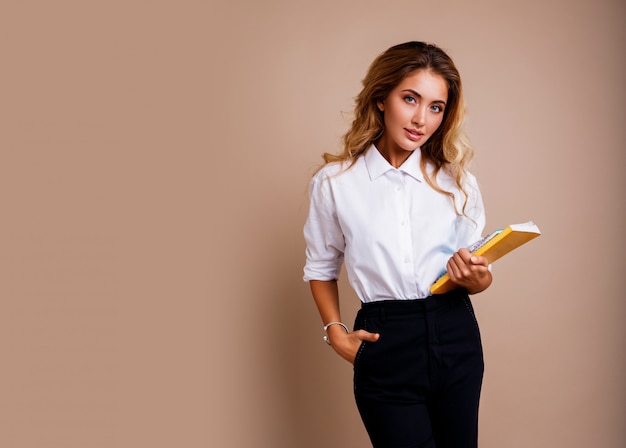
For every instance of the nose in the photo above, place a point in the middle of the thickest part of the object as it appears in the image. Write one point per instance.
(419, 118)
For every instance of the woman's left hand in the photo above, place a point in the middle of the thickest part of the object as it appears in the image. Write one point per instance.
(469, 272)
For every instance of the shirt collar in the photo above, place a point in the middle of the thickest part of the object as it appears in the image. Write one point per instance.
(377, 165)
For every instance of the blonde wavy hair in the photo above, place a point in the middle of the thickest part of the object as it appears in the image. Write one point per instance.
(448, 148)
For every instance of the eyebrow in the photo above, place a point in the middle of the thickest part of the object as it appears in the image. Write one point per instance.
(420, 96)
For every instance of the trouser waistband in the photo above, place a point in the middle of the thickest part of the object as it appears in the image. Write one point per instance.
(418, 306)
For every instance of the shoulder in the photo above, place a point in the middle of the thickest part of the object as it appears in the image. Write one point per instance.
(470, 178)
(329, 170)
(446, 177)
(334, 170)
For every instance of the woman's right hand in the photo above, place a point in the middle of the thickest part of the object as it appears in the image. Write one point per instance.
(347, 344)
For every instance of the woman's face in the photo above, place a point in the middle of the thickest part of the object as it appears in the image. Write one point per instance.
(412, 112)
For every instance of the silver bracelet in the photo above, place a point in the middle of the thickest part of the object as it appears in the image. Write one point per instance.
(333, 323)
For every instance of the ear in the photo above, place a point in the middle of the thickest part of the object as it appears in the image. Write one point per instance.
(381, 105)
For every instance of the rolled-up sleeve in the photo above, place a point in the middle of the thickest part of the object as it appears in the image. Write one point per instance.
(324, 238)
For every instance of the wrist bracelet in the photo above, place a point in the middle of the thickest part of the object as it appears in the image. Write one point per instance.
(333, 323)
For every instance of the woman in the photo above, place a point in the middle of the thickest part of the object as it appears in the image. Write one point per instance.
(398, 206)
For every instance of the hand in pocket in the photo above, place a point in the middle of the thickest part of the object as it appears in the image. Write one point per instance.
(347, 344)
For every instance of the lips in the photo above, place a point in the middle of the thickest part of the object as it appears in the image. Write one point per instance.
(413, 134)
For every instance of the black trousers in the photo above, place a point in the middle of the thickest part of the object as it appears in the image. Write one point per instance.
(419, 384)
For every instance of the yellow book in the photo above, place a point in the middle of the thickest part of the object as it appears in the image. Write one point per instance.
(493, 246)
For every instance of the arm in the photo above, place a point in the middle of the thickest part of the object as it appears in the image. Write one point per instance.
(469, 272)
(326, 296)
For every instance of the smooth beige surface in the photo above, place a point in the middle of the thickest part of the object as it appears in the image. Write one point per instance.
(153, 170)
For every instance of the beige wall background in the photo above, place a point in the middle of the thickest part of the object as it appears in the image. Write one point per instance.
(153, 171)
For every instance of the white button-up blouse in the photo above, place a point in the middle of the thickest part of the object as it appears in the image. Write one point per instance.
(394, 232)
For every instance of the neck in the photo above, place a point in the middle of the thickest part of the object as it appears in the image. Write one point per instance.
(395, 158)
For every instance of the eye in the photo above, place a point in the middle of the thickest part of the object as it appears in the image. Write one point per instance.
(409, 99)
(436, 108)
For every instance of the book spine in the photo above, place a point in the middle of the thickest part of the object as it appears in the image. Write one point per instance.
(492, 242)
(480, 243)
